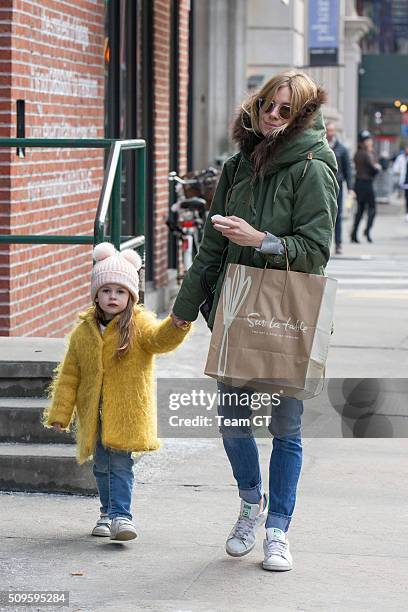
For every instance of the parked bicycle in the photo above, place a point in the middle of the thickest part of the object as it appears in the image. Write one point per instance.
(188, 213)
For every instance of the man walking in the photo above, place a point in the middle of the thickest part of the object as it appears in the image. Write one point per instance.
(343, 174)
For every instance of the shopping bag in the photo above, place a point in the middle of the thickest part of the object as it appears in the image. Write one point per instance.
(271, 330)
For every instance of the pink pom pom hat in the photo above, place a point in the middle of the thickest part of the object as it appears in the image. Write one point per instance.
(119, 268)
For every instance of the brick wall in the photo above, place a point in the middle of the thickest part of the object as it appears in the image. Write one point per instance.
(52, 57)
(162, 18)
(161, 68)
(57, 67)
(5, 119)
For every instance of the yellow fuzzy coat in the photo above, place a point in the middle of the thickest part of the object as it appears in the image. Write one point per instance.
(90, 368)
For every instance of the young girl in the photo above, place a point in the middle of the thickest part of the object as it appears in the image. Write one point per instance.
(107, 377)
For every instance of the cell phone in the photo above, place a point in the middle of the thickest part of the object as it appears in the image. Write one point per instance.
(218, 218)
(221, 221)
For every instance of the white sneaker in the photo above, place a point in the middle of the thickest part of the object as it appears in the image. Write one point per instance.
(276, 550)
(102, 527)
(123, 529)
(241, 540)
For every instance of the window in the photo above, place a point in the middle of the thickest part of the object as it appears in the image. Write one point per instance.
(123, 90)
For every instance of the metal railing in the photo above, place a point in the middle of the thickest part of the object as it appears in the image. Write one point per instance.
(110, 193)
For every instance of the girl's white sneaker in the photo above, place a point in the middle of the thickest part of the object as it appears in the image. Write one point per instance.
(241, 539)
(102, 527)
(276, 550)
(122, 529)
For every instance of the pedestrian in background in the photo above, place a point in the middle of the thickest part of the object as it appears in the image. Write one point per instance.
(279, 191)
(400, 167)
(343, 174)
(366, 169)
(106, 376)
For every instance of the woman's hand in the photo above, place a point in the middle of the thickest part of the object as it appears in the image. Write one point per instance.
(179, 322)
(57, 426)
(239, 231)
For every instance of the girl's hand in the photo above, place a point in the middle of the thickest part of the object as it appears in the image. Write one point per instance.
(179, 322)
(239, 231)
(57, 426)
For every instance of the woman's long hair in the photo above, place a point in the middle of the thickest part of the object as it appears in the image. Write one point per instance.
(302, 90)
(306, 97)
(126, 326)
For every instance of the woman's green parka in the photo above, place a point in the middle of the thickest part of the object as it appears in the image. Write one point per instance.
(294, 198)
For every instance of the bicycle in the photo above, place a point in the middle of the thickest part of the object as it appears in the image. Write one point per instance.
(188, 214)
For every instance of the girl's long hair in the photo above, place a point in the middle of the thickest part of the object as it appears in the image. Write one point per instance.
(126, 326)
(302, 88)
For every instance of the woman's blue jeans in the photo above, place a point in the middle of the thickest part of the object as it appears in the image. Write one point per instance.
(113, 471)
(242, 451)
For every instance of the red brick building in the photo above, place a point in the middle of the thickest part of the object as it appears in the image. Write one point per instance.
(84, 69)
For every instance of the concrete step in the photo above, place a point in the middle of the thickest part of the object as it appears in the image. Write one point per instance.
(20, 421)
(49, 468)
(25, 378)
(27, 364)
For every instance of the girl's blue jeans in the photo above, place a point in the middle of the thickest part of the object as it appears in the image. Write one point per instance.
(113, 471)
(242, 451)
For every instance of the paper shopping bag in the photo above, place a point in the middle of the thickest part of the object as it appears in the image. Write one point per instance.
(271, 330)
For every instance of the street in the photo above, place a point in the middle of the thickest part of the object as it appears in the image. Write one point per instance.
(122, 125)
(349, 533)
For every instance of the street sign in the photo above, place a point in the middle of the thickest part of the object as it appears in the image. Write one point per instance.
(323, 32)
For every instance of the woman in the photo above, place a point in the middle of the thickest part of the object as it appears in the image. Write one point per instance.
(366, 169)
(282, 185)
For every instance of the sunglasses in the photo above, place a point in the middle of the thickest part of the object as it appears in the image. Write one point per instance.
(284, 110)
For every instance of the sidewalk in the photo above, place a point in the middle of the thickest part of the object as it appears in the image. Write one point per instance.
(348, 536)
(371, 324)
(389, 233)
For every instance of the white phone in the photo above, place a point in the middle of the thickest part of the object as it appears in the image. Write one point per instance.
(218, 219)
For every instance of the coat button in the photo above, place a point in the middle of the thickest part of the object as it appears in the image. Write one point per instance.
(277, 259)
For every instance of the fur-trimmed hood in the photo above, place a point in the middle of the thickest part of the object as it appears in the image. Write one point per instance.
(305, 134)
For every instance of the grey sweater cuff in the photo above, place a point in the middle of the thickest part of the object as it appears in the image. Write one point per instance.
(271, 245)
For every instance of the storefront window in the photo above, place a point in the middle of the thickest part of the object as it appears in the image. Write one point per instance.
(390, 31)
(123, 90)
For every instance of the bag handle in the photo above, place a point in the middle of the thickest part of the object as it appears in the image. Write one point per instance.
(308, 160)
(287, 270)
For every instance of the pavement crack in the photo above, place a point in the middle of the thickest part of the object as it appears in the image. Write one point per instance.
(203, 569)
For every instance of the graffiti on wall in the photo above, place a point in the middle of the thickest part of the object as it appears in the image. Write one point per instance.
(63, 130)
(59, 81)
(69, 182)
(65, 27)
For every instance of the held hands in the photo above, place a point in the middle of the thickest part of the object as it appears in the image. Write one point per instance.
(238, 230)
(181, 323)
(57, 426)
